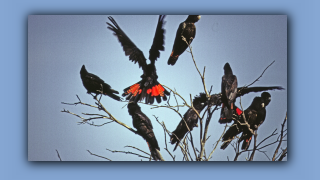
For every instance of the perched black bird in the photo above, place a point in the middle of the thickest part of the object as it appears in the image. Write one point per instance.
(148, 88)
(229, 91)
(255, 115)
(94, 84)
(144, 127)
(186, 29)
(191, 118)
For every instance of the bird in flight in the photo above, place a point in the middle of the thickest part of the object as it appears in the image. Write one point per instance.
(148, 88)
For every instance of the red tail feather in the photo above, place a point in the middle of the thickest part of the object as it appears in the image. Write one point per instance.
(134, 89)
(156, 90)
(247, 140)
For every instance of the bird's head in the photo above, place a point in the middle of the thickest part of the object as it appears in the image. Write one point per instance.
(83, 70)
(227, 69)
(132, 108)
(193, 18)
(266, 98)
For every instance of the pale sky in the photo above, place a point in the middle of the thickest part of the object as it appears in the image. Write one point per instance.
(58, 45)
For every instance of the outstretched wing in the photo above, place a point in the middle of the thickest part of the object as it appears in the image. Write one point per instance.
(130, 49)
(158, 40)
(245, 90)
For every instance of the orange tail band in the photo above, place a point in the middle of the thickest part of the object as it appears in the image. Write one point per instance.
(134, 89)
(247, 140)
(156, 90)
(175, 57)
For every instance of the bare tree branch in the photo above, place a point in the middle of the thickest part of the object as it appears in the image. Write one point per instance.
(283, 154)
(165, 136)
(281, 138)
(128, 152)
(225, 128)
(254, 146)
(138, 149)
(260, 75)
(99, 156)
(58, 155)
(203, 141)
(195, 64)
(100, 107)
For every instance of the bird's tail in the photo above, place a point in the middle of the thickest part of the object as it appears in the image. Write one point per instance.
(246, 142)
(155, 152)
(229, 135)
(139, 91)
(133, 92)
(172, 59)
(115, 97)
(174, 140)
(110, 92)
(156, 91)
(225, 145)
(226, 115)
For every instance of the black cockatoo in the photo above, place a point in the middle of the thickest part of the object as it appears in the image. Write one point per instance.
(186, 29)
(144, 128)
(94, 84)
(148, 88)
(255, 115)
(229, 91)
(191, 118)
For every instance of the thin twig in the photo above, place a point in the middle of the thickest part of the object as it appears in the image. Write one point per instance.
(128, 152)
(283, 154)
(254, 146)
(260, 75)
(138, 149)
(225, 128)
(58, 155)
(165, 130)
(281, 138)
(99, 156)
(195, 64)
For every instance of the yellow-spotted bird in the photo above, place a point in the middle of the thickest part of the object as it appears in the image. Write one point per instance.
(187, 29)
(148, 88)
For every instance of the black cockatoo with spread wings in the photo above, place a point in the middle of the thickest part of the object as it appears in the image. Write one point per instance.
(148, 88)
